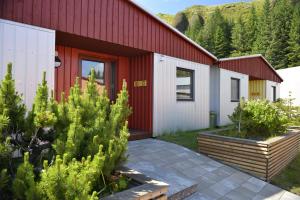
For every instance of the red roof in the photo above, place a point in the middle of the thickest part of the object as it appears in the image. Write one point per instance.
(121, 22)
(256, 66)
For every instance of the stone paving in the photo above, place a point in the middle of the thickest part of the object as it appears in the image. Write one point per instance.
(181, 168)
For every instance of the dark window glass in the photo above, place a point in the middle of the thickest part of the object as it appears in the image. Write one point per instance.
(235, 89)
(184, 84)
(274, 93)
(86, 67)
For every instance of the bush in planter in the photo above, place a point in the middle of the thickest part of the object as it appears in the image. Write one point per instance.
(260, 118)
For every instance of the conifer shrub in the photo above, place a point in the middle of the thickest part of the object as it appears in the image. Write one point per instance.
(260, 118)
(71, 148)
(11, 103)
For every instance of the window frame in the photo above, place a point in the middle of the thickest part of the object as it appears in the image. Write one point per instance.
(92, 59)
(238, 89)
(274, 93)
(192, 84)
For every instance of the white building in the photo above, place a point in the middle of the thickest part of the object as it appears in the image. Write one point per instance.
(291, 84)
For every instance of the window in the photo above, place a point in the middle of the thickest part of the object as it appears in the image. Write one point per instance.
(235, 90)
(184, 84)
(86, 67)
(274, 93)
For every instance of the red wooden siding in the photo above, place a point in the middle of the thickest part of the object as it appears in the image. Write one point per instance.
(255, 67)
(141, 68)
(128, 68)
(115, 21)
(66, 74)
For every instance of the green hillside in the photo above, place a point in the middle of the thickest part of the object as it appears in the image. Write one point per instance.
(268, 27)
(230, 11)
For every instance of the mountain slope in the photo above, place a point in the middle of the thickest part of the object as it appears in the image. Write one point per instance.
(230, 11)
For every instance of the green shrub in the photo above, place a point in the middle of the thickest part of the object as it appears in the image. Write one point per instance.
(91, 135)
(260, 118)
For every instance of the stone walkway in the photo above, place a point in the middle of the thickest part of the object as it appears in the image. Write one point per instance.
(182, 168)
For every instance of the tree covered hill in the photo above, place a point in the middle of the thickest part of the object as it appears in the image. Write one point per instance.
(268, 27)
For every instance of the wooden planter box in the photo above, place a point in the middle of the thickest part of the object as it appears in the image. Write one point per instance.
(263, 159)
(147, 188)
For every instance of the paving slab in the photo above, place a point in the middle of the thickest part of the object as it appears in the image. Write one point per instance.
(182, 168)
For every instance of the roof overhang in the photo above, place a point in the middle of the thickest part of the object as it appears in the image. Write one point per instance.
(253, 56)
(174, 30)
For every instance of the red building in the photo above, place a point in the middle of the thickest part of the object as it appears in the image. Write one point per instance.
(168, 75)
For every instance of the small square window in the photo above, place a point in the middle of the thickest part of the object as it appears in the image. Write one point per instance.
(274, 93)
(235, 90)
(184, 84)
(86, 67)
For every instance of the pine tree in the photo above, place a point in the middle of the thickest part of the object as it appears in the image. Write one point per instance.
(279, 47)
(72, 180)
(11, 103)
(43, 116)
(263, 39)
(195, 25)
(239, 38)
(41, 121)
(207, 37)
(294, 41)
(220, 43)
(251, 30)
(24, 186)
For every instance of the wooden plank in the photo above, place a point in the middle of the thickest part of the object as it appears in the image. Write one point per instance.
(262, 159)
(235, 148)
(241, 164)
(236, 140)
(256, 156)
(251, 145)
(261, 165)
(274, 156)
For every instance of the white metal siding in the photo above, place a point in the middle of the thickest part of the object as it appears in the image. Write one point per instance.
(226, 106)
(170, 115)
(31, 50)
(290, 84)
(269, 90)
(215, 91)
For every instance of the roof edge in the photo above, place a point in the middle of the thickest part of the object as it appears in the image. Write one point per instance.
(175, 30)
(253, 56)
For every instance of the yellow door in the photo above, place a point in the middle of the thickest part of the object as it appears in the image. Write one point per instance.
(257, 89)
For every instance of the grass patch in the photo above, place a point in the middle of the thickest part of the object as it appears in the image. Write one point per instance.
(187, 139)
(289, 178)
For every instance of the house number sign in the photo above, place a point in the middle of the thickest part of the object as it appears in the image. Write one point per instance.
(142, 83)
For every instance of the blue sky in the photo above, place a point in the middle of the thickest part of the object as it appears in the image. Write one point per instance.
(173, 6)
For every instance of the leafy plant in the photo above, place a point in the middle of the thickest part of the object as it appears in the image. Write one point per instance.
(260, 118)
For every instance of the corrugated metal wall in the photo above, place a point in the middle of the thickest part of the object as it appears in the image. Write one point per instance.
(214, 91)
(291, 83)
(269, 90)
(257, 89)
(169, 114)
(226, 106)
(31, 50)
(116, 21)
(141, 69)
(255, 67)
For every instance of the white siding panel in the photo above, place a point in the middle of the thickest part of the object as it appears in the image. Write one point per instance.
(269, 90)
(170, 115)
(215, 91)
(31, 50)
(290, 84)
(226, 106)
